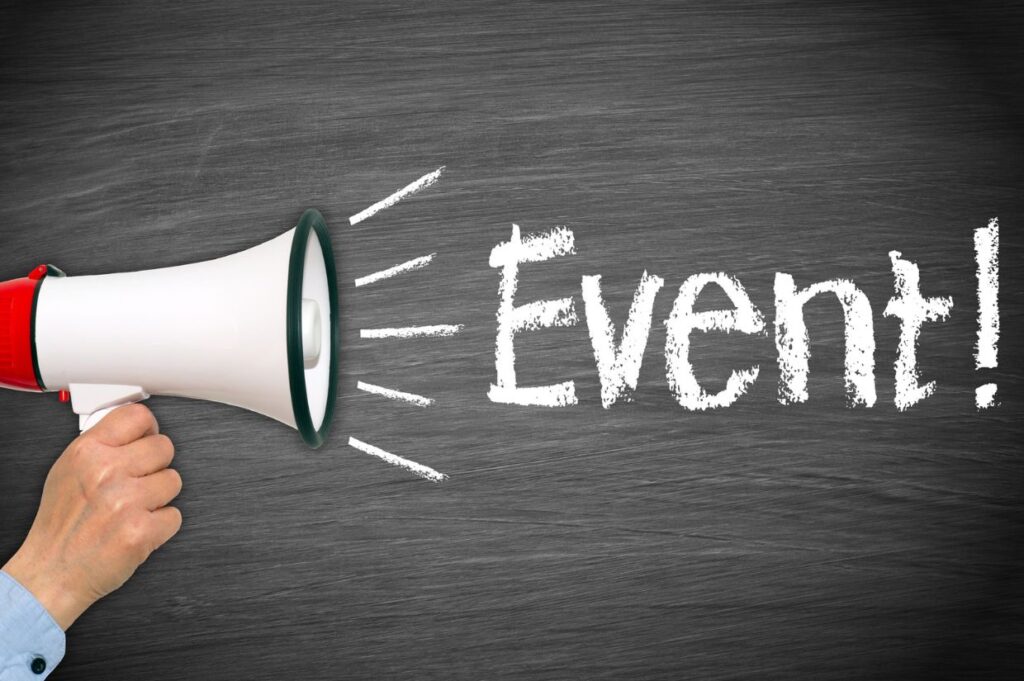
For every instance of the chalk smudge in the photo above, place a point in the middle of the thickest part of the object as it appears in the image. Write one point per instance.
(423, 182)
(411, 466)
(394, 394)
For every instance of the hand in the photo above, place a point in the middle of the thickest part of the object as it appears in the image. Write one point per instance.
(104, 510)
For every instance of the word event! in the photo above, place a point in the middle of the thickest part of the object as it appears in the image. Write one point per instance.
(619, 367)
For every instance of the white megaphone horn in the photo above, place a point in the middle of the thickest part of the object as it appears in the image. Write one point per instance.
(257, 329)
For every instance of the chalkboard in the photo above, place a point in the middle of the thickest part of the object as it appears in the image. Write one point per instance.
(643, 540)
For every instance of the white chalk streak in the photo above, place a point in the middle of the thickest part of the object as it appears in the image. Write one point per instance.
(986, 247)
(534, 248)
(411, 466)
(412, 331)
(414, 264)
(423, 182)
(619, 369)
(514, 319)
(745, 318)
(793, 343)
(557, 395)
(913, 309)
(394, 394)
(985, 396)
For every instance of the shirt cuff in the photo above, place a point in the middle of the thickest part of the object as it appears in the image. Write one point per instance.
(31, 642)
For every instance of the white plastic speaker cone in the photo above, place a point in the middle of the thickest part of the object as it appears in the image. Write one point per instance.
(257, 329)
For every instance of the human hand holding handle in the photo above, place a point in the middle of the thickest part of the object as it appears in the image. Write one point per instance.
(104, 510)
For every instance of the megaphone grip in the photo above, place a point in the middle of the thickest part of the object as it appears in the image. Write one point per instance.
(87, 421)
(92, 402)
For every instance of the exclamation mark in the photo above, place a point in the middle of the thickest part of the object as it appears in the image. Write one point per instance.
(986, 251)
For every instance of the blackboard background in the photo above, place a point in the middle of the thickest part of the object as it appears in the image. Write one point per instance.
(810, 541)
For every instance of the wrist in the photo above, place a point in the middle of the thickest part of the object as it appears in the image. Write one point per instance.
(48, 586)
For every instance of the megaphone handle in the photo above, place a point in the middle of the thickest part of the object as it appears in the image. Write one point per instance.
(87, 421)
(92, 402)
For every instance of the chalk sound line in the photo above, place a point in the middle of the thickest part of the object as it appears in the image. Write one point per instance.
(411, 265)
(408, 190)
(411, 398)
(412, 331)
(411, 466)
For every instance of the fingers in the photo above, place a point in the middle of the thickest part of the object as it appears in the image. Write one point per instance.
(159, 489)
(125, 424)
(148, 455)
(166, 523)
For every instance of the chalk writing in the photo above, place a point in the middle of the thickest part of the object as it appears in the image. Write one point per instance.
(913, 310)
(512, 320)
(744, 318)
(618, 369)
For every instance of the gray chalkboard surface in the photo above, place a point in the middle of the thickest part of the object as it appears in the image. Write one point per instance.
(640, 541)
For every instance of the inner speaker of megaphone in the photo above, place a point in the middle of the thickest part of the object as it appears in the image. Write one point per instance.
(312, 323)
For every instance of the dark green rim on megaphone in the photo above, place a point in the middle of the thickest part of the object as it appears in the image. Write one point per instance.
(311, 221)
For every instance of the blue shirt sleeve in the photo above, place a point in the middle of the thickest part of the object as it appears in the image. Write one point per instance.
(31, 643)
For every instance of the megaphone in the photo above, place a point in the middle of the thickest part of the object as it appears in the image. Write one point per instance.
(257, 329)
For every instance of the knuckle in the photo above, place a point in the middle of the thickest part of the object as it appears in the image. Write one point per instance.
(116, 504)
(139, 414)
(164, 444)
(135, 535)
(100, 472)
